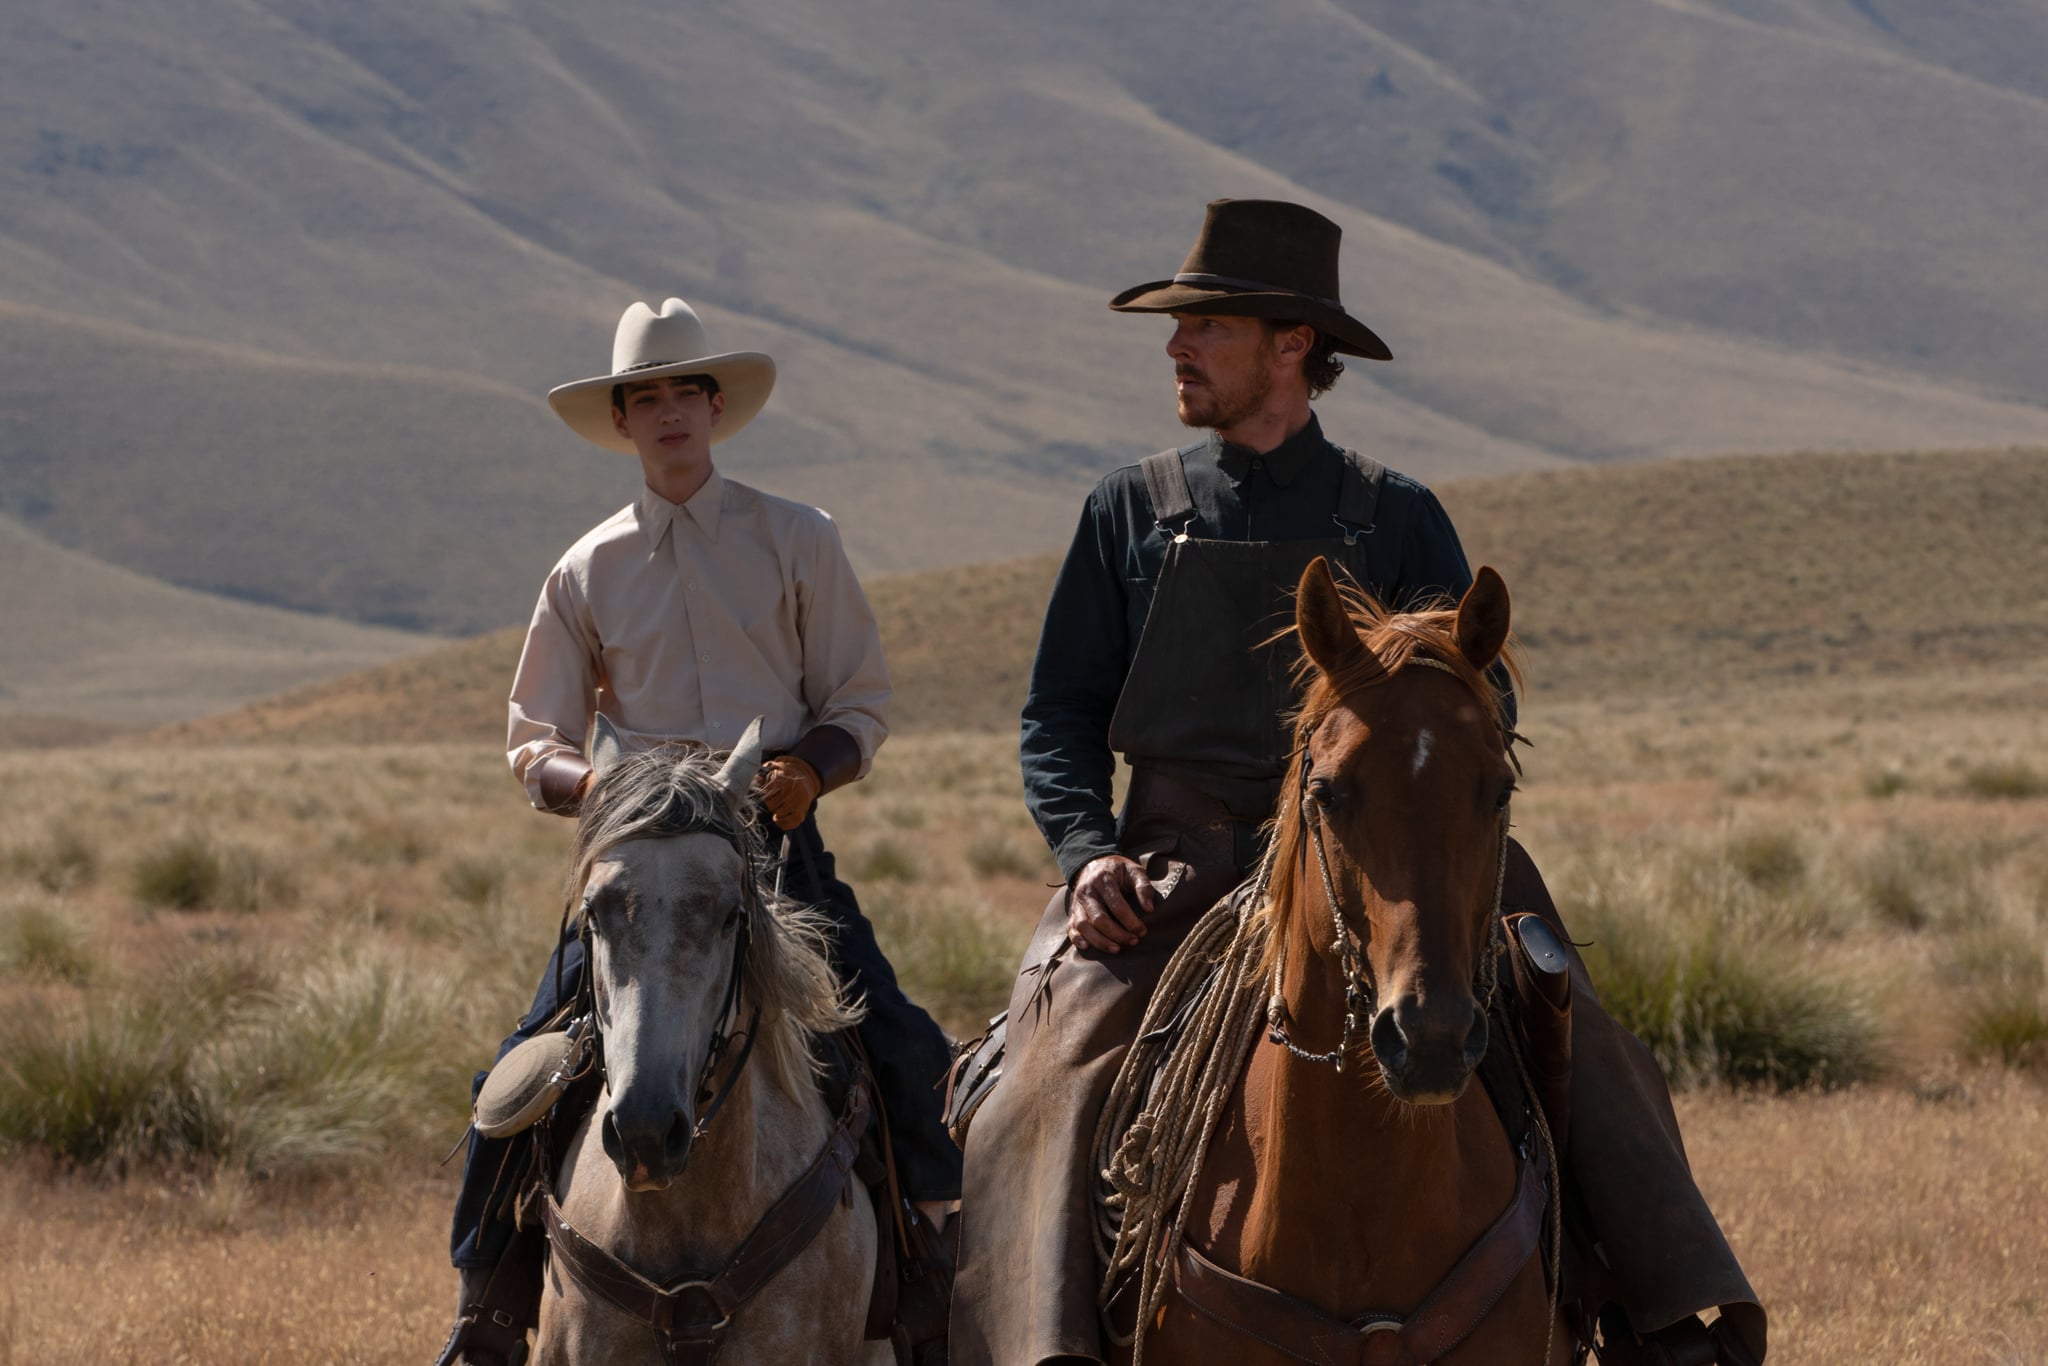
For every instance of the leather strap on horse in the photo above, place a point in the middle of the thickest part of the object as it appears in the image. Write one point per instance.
(1295, 1328)
(784, 1231)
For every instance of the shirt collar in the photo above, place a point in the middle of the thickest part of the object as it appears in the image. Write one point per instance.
(656, 513)
(1284, 462)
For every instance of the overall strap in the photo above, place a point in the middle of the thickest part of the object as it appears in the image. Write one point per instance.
(1358, 496)
(1166, 484)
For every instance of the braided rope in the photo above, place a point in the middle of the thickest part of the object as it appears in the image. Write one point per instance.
(1151, 1140)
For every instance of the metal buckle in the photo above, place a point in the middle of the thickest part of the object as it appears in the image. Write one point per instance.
(1352, 532)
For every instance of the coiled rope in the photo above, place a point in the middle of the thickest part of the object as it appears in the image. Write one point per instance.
(1205, 1014)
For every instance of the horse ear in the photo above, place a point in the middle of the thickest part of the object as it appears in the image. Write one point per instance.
(606, 747)
(1327, 634)
(737, 777)
(1483, 618)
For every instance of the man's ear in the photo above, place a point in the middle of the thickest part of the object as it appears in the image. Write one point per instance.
(717, 407)
(619, 421)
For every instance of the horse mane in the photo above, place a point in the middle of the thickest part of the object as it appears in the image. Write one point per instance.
(1392, 639)
(674, 790)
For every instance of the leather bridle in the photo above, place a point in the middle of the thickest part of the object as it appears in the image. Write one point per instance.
(1361, 992)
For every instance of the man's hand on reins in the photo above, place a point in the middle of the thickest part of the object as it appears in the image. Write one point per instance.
(788, 787)
(1100, 912)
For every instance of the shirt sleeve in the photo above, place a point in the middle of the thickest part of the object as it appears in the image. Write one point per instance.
(845, 679)
(555, 688)
(1076, 678)
(1433, 567)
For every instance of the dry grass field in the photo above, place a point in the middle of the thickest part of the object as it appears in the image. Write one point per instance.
(247, 967)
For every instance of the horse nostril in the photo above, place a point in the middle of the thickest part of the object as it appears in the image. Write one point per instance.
(676, 1146)
(1389, 1045)
(1475, 1039)
(608, 1132)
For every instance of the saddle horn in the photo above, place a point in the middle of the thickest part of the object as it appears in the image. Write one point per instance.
(737, 776)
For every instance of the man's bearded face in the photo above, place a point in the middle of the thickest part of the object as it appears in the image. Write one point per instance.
(1222, 369)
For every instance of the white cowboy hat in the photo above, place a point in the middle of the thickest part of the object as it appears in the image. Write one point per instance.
(652, 345)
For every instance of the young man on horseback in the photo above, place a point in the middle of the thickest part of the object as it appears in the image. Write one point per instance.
(1158, 642)
(682, 617)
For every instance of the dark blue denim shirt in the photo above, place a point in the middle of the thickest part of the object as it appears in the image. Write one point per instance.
(1105, 585)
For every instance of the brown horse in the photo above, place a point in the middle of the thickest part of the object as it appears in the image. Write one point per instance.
(1360, 1201)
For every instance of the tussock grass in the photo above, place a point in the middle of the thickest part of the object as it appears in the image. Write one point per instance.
(473, 881)
(58, 864)
(955, 959)
(885, 860)
(184, 873)
(233, 1060)
(42, 942)
(996, 854)
(2009, 781)
(1697, 951)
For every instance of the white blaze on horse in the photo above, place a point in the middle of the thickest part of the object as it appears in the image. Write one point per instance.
(706, 1207)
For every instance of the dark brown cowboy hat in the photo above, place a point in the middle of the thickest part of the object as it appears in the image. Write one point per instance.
(1262, 258)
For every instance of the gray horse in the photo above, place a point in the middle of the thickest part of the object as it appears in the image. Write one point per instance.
(691, 949)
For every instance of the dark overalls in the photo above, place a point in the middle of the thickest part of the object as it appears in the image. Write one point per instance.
(1201, 720)
(907, 1048)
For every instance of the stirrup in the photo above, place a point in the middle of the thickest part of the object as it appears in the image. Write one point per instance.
(482, 1338)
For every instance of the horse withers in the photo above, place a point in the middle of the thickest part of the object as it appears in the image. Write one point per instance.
(1358, 1201)
(706, 1205)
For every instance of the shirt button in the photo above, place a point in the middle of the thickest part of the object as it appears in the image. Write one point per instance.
(692, 587)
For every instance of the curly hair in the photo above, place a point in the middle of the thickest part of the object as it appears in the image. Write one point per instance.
(1320, 367)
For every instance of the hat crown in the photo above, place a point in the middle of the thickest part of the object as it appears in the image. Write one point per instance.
(1267, 244)
(646, 338)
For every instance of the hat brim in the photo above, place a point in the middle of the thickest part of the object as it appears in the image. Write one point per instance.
(1351, 336)
(744, 377)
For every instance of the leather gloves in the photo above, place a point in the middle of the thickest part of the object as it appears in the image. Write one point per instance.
(788, 787)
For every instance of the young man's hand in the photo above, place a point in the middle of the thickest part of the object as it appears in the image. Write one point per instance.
(1102, 910)
(788, 787)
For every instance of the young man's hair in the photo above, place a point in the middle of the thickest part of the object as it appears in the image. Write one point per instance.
(1320, 367)
(705, 382)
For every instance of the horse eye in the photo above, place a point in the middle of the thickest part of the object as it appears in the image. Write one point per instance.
(732, 918)
(1507, 793)
(1323, 792)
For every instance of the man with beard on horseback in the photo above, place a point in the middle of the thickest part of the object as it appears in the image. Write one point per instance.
(691, 611)
(1160, 642)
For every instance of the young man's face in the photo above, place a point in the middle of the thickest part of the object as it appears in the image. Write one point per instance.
(1224, 368)
(669, 421)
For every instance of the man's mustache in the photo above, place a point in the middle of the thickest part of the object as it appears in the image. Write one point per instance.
(1181, 372)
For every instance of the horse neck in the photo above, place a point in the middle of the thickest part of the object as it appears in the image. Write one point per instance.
(1344, 1175)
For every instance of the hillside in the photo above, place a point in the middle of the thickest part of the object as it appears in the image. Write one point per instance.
(1629, 581)
(87, 640)
(310, 275)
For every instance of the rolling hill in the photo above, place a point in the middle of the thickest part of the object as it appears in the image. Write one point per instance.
(276, 322)
(89, 645)
(1683, 578)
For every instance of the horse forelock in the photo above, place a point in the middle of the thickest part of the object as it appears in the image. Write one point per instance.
(675, 790)
(1393, 640)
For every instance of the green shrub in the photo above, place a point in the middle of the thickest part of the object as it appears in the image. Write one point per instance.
(995, 854)
(1888, 783)
(182, 874)
(42, 943)
(2012, 781)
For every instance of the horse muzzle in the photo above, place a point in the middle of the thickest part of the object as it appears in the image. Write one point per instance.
(649, 1144)
(1427, 1055)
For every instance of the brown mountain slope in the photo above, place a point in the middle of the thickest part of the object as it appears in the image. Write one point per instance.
(392, 227)
(1628, 581)
(87, 640)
